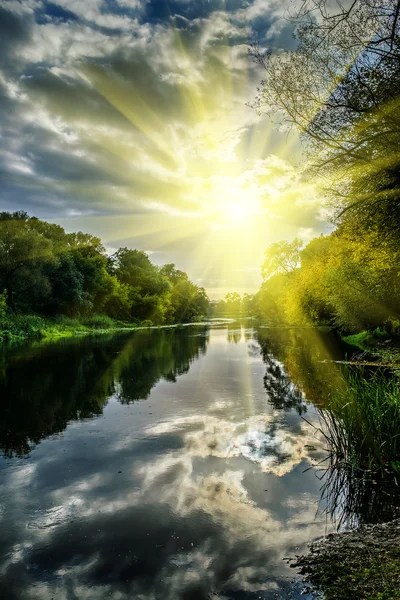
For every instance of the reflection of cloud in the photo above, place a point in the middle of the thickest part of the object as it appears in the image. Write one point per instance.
(186, 529)
(257, 439)
(174, 511)
(174, 480)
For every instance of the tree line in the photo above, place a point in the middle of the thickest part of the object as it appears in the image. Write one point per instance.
(341, 89)
(48, 272)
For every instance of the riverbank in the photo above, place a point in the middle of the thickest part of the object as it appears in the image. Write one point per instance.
(363, 564)
(378, 345)
(24, 328)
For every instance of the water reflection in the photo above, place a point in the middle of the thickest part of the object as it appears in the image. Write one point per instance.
(42, 388)
(353, 497)
(300, 368)
(308, 357)
(198, 491)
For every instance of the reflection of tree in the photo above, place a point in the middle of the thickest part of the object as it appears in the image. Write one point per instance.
(43, 388)
(303, 353)
(282, 392)
(151, 355)
(234, 332)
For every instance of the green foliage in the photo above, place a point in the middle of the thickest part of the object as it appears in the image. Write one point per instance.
(392, 326)
(281, 257)
(349, 118)
(47, 272)
(3, 305)
(146, 323)
(98, 322)
(235, 306)
(350, 281)
(21, 327)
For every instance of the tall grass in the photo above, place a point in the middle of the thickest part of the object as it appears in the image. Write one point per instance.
(362, 422)
(21, 328)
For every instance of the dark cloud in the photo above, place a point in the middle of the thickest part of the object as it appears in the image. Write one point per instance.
(191, 9)
(16, 32)
(54, 12)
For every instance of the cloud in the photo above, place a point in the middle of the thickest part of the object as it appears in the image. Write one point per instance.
(114, 107)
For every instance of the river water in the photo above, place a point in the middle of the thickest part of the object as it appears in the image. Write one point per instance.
(161, 465)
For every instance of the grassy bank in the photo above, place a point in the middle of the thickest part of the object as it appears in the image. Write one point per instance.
(382, 346)
(21, 328)
(366, 340)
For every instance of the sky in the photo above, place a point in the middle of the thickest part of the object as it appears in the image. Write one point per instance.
(129, 119)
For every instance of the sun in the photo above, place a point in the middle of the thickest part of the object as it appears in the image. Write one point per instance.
(236, 204)
(237, 212)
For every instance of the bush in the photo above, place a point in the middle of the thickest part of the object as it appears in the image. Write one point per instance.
(64, 321)
(392, 326)
(146, 323)
(98, 322)
(19, 327)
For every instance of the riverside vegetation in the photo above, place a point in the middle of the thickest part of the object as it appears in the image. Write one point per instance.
(55, 283)
(340, 88)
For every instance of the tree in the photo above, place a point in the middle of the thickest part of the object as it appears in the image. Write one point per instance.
(248, 304)
(23, 251)
(281, 257)
(233, 303)
(341, 90)
(172, 274)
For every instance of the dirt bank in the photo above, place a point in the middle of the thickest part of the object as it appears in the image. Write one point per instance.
(363, 564)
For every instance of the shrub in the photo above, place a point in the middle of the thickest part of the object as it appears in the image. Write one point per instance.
(98, 322)
(14, 327)
(392, 326)
(146, 323)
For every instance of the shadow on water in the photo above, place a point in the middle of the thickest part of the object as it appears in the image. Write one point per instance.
(43, 387)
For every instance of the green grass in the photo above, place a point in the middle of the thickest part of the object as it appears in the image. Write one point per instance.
(20, 328)
(362, 422)
(365, 339)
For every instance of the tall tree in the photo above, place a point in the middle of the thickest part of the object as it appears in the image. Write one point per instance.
(341, 89)
(23, 251)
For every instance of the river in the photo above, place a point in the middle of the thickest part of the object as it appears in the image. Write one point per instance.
(161, 464)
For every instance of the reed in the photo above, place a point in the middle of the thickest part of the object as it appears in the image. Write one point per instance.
(362, 422)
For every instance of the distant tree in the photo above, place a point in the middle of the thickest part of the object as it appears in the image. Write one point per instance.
(233, 303)
(172, 274)
(45, 270)
(248, 304)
